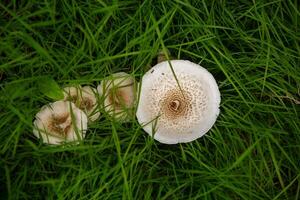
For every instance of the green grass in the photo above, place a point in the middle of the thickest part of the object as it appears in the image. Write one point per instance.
(251, 47)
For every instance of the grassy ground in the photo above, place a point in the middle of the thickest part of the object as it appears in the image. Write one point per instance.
(251, 47)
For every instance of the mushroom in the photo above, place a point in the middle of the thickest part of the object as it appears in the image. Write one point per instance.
(60, 122)
(178, 110)
(161, 56)
(118, 92)
(85, 99)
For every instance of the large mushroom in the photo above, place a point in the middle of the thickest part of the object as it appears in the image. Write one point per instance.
(118, 94)
(85, 99)
(179, 105)
(60, 122)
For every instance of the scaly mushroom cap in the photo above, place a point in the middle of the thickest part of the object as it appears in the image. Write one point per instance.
(118, 92)
(59, 122)
(176, 114)
(85, 99)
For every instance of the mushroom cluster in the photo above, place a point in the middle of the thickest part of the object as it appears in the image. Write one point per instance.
(67, 120)
(178, 102)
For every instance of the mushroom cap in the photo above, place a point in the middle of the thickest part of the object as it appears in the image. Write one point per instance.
(92, 111)
(60, 122)
(118, 93)
(84, 98)
(174, 114)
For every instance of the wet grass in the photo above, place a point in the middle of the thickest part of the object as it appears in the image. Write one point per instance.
(251, 47)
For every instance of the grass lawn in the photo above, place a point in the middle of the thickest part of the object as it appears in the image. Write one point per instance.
(251, 47)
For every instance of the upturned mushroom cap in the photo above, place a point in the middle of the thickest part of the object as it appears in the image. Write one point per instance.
(118, 93)
(85, 99)
(174, 114)
(60, 122)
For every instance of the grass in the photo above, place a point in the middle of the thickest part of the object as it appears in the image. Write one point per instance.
(252, 49)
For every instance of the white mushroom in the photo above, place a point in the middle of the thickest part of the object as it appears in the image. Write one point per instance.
(60, 122)
(118, 92)
(178, 111)
(85, 99)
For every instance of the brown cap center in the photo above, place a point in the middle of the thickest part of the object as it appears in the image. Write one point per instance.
(60, 125)
(117, 98)
(174, 105)
(86, 104)
(72, 98)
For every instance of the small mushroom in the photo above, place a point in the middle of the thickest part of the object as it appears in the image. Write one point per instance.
(118, 92)
(178, 110)
(85, 99)
(60, 122)
(161, 56)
